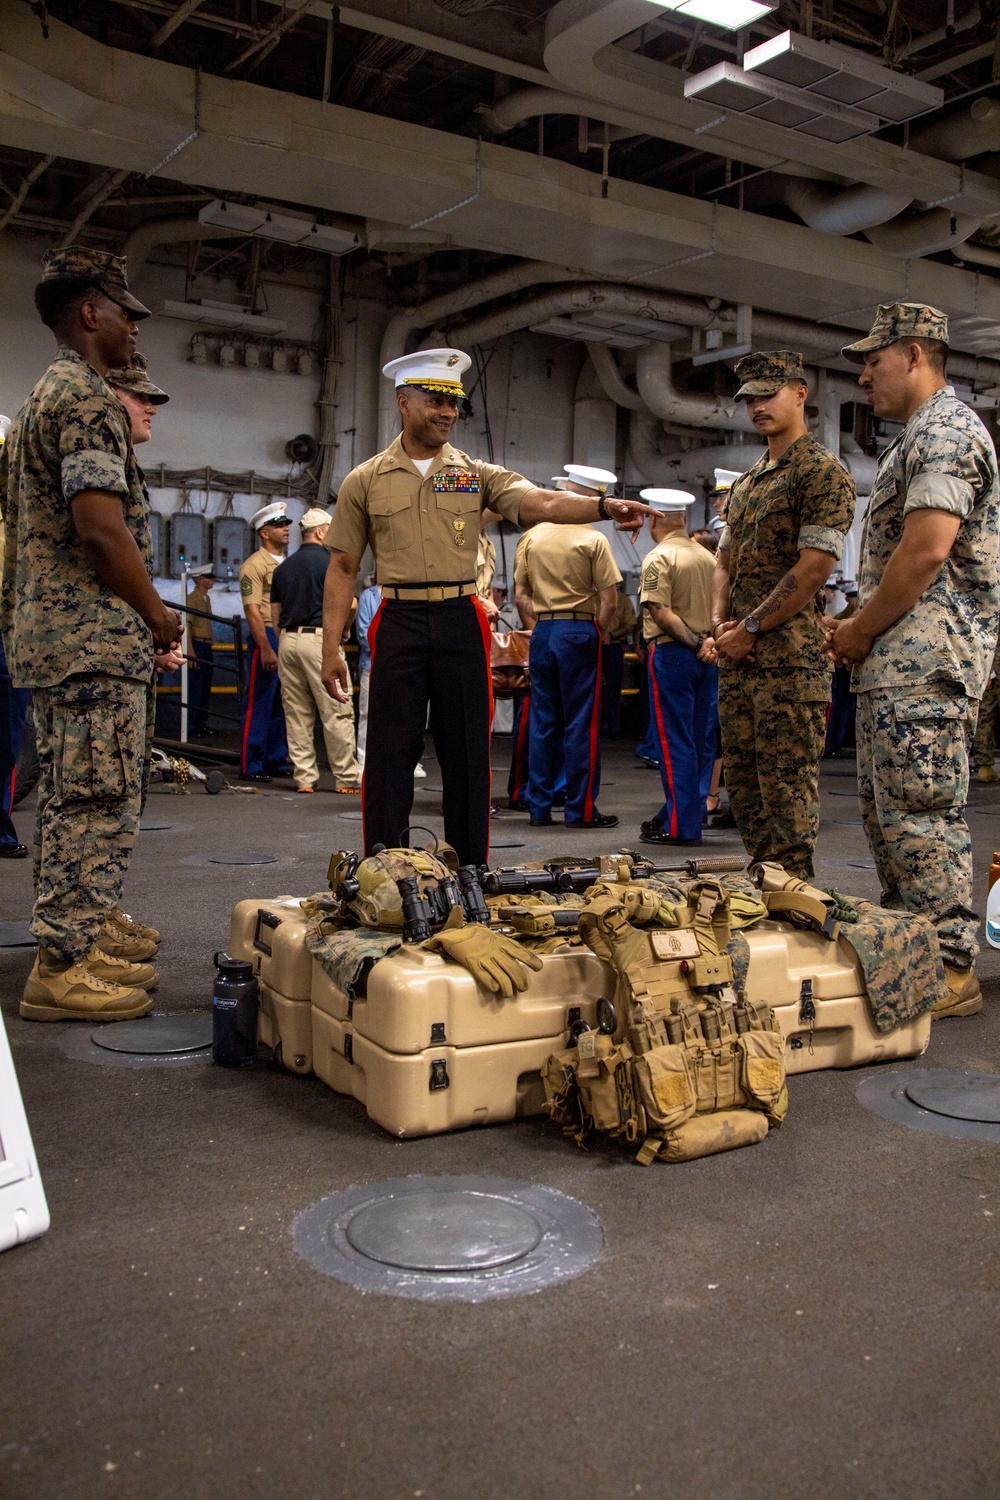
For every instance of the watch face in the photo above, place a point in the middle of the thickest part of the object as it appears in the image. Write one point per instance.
(751, 626)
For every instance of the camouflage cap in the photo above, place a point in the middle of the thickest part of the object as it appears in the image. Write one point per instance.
(763, 374)
(899, 320)
(135, 379)
(99, 266)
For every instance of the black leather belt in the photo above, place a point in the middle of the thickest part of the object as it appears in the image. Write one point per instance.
(302, 629)
(563, 614)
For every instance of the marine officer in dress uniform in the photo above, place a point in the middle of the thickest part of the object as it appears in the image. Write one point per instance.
(264, 748)
(418, 506)
(568, 580)
(676, 602)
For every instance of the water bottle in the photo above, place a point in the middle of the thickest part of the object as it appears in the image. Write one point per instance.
(235, 1000)
(993, 916)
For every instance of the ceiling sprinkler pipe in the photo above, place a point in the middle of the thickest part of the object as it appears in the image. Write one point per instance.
(656, 386)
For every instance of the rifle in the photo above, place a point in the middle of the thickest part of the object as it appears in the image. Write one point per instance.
(580, 875)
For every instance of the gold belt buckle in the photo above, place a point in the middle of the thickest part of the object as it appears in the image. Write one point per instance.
(435, 595)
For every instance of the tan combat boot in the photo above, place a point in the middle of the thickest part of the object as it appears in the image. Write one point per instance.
(72, 993)
(129, 925)
(964, 997)
(115, 942)
(987, 773)
(119, 971)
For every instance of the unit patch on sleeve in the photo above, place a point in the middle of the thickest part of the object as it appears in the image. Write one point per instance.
(455, 482)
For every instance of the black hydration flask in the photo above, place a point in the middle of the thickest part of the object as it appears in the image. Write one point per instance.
(235, 1000)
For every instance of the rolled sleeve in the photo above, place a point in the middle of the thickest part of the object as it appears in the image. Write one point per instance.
(821, 539)
(348, 531)
(725, 539)
(93, 470)
(502, 490)
(929, 491)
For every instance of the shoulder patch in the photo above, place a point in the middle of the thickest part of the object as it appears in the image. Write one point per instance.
(246, 586)
(649, 578)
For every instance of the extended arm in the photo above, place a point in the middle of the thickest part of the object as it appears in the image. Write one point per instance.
(927, 539)
(800, 584)
(111, 549)
(578, 510)
(338, 601)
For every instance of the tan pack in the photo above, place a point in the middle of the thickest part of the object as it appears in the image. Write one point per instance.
(678, 1045)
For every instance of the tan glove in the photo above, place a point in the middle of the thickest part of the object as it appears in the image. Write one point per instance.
(496, 963)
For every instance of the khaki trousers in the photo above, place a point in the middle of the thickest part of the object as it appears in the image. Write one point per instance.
(300, 658)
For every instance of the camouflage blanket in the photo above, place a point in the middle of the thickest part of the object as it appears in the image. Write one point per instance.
(899, 956)
(343, 951)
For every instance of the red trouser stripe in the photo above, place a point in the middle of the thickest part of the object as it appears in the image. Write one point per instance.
(595, 730)
(520, 769)
(661, 735)
(486, 633)
(254, 659)
(372, 633)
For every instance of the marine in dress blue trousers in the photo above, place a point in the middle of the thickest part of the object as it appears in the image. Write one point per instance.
(565, 666)
(265, 745)
(684, 700)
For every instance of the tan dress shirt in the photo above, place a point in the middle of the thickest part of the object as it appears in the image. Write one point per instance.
(255, 580)
(678, 574)
(565, 567)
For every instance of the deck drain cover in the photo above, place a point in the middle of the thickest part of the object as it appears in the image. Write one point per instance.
(242, 857)
(463, 1239)
(16, 935)
(941, 1101)
(968, 1096)
(435, 1231)
(157, 1035)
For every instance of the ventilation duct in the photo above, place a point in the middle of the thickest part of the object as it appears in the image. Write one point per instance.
(922, 233)
(839, 210)
(664, 400)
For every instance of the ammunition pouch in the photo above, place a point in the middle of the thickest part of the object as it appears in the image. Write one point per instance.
(693, 1068)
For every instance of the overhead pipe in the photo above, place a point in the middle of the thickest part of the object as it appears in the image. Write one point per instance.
(924, 233)
(980, 255)
(408, 320)
(967, 134)
(840, 210)
(656, 386)
(531, 103)
(610, 377)
(144, 238)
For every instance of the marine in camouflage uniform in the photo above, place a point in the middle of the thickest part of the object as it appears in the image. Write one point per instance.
(920, 682)
(772, 708)
(984, 746)
(84, 651)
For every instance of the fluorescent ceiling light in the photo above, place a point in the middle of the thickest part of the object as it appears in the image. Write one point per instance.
(825, 70)
(728, 87)
(732, 15)
(219, 315)
(282, 224)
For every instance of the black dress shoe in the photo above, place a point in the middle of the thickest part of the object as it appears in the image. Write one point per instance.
(652, 825)
(260, 776)
(650, 765)
(285, 774)
(667, 839)
(13, 851)
(545, 822)
(517, 804)
(599, 820)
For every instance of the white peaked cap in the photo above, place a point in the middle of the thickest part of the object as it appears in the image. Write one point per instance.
(726, 478)
(593, 479)
(275, 512)
(439, 370)
(206, 570)
(669, 502)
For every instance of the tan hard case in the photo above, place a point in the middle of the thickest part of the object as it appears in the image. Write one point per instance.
(271, 935)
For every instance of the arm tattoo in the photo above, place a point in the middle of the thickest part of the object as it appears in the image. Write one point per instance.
(777, 598)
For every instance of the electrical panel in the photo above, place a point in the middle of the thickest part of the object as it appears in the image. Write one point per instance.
(156, 529)
(230, 545)
(187, 542)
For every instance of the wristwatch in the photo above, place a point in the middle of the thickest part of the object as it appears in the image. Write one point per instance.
(602, 510)
(751, 625)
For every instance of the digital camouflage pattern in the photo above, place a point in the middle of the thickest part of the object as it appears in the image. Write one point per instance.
(764, 374)
(942, 460)
(134, 377)
(899, 320)
(773, 732)
(343, 953)
(57, 615)
(984, 746)
(899, 956)
(913, 780)
(100, 267)
(91, 745)
(805, 499)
